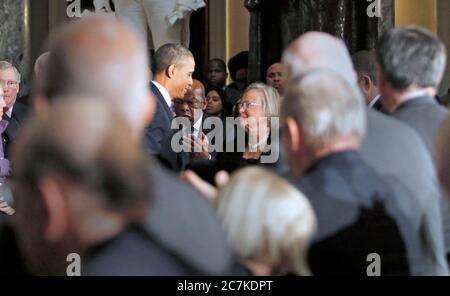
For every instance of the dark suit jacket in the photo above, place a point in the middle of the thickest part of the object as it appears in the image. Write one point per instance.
(132, 253)
(187, 225)
(396, 151)
(18, 117)
(176, 161)
(357, 215)
(159, 128)
(425, 116)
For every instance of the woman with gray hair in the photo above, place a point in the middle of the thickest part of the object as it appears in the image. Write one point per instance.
(256, 134)
(269, 224)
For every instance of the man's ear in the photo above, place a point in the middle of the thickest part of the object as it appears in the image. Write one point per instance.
(170, 71)
(293, 130)
(55, 202)
(366, 82)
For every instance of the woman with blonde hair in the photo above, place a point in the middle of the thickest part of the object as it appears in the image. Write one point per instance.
(269, 224)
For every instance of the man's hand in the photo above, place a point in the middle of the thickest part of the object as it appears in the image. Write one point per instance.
(207, 190)
(199, 146)
(6, 209)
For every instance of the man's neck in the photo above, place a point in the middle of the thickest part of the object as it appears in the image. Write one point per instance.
(351, 143)
(163, 81)
(396, 98)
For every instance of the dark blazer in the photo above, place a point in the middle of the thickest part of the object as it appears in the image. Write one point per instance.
(357, 215)
(132, 253)
(186, 224)
(18, 117)
(395, 150)
(159, 128)
(425, 116)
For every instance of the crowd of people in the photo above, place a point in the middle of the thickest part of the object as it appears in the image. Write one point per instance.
(333, 158)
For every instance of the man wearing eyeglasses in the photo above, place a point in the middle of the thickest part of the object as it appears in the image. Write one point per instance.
(190, 107)
(14, 112)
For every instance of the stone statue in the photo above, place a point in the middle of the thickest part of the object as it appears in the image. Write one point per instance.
(167, 21)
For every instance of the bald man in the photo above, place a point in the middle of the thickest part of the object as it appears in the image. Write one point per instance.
(275, 77)
(411, 167)
(102, 57)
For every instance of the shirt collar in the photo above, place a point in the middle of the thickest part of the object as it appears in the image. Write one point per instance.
(374, 101)
(198, 125)
(9, 112)
(164, 93)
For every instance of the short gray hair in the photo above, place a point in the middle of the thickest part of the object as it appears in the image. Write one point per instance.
(271, 215)
(411, 55)
(4, 65)
(327, 107)
(270, 100)
(169, 54)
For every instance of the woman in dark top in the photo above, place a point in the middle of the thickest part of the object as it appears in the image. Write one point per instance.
(254, 140)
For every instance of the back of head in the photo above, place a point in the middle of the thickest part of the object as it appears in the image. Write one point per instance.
(268, 218)
(169, 54)
(101, 57)
(317, 50)
(41, 63)
(77, 141)
(364, 62)
(411, 56)
(327, 107)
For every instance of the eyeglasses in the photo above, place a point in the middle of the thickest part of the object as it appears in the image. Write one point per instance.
(191, 103)
(8, 83)
(246, 105)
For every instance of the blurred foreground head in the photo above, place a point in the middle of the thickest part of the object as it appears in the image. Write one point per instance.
(103, 58)
(269, 224)
(76, 183)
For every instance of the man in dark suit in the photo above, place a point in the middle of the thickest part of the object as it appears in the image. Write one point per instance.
(15, 112)
(409, 79)
(181, 221)
(411, 167)
(192, 135)
(99, 221)
(173, 66)
(408, 83)
(358, 211)
(365, 66)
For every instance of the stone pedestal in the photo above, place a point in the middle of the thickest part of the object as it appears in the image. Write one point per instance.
(14, 37)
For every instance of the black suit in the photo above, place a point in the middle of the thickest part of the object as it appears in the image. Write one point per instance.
(18, 117)
(187, 225)
(425, 116)
(132, 253)
(360, 213)
(159, 128)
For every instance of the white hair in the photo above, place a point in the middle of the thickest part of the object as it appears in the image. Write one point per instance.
(268, 216)
(270, 98)
(4, 65)
(326, 106)
(319, 50)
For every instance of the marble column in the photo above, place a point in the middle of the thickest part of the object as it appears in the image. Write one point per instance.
(14, 37)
